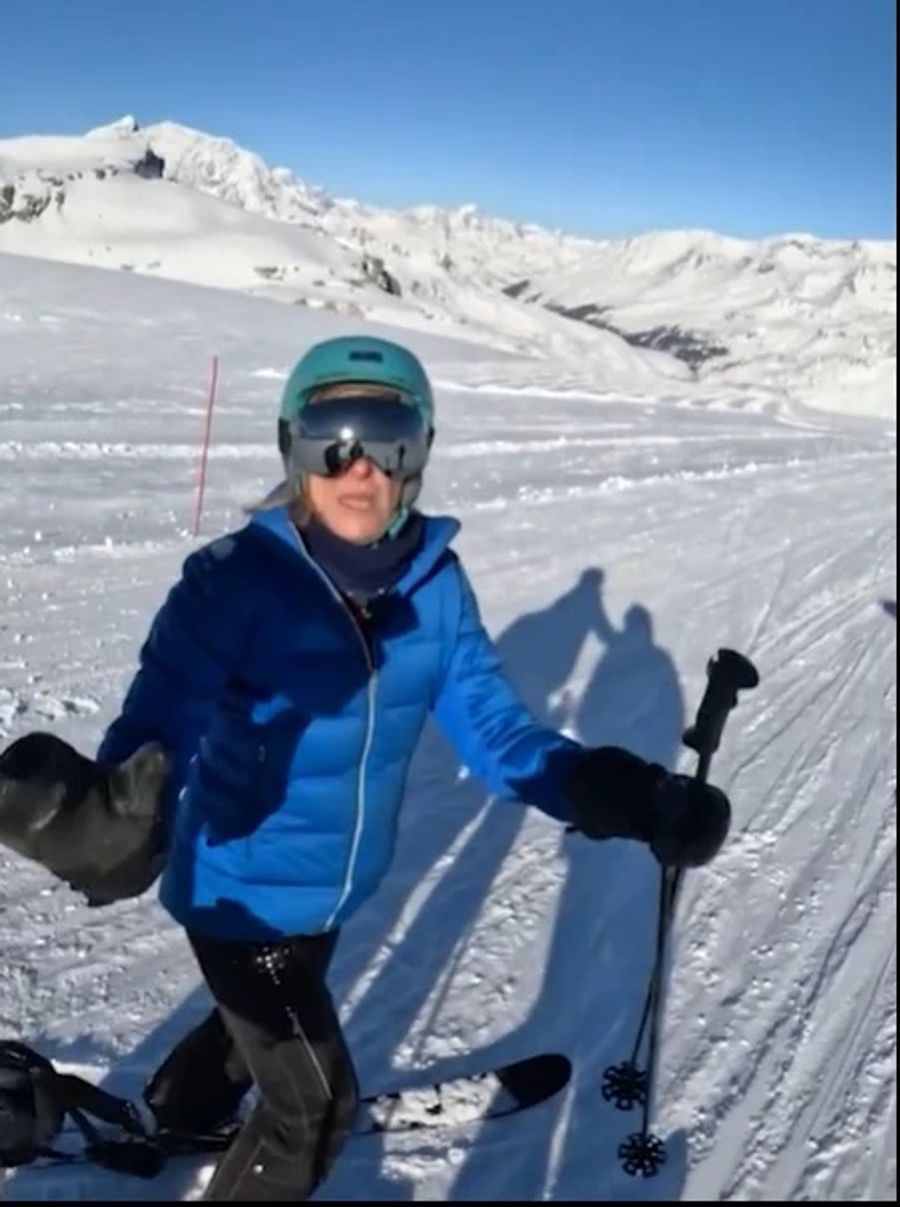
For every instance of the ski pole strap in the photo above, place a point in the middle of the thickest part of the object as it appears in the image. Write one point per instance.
(30, 1113)
(135, 1153)
(77, 1096)
(35, 1100)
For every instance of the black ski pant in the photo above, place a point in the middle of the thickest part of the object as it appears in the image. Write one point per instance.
(274, 1026)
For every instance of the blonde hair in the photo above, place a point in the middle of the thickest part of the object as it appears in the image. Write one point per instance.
(291, 494)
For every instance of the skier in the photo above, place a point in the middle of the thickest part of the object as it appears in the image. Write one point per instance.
(288, 676)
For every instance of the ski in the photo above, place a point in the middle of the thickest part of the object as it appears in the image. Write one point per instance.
(469, 1098)
(489, 1095)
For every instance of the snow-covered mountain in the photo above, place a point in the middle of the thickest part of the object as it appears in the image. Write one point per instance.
(793, 318)
(820, 314)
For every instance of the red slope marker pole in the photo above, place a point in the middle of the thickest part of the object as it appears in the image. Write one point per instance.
(204, 452)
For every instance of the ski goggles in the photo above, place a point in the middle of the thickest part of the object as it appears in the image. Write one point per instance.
(327, 437)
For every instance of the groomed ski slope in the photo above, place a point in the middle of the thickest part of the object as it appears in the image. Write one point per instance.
(616, 543)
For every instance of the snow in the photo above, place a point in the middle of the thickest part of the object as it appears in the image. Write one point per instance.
(497, 935)
(623, 518)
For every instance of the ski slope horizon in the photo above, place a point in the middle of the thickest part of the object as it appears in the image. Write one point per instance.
(616, 538)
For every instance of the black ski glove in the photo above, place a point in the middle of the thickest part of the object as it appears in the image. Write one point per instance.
(98, 828)
(616, 794)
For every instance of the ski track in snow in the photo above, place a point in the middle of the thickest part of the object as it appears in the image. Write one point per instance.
(495, 934)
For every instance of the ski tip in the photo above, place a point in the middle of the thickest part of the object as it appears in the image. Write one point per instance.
(536, 1077)
(489, 1093)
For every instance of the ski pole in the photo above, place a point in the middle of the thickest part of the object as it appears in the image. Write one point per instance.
(628, 1085)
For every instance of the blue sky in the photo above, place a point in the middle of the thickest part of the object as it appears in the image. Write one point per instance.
(603, 117)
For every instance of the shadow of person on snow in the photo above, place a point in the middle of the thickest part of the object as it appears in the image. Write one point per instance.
(598, 963)
(889, 606)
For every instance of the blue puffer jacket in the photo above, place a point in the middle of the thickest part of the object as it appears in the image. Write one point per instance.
(291, 735)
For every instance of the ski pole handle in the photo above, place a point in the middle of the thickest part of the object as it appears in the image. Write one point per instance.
(727, 674)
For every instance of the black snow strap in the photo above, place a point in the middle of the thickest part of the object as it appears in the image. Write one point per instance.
(34, 1102)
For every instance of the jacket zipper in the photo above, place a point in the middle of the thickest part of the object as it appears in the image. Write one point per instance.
(367, 745)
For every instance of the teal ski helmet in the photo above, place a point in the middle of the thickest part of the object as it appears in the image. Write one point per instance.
(362, 359)
(358, 360)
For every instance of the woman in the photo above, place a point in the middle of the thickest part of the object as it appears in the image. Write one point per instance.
(288, 676)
